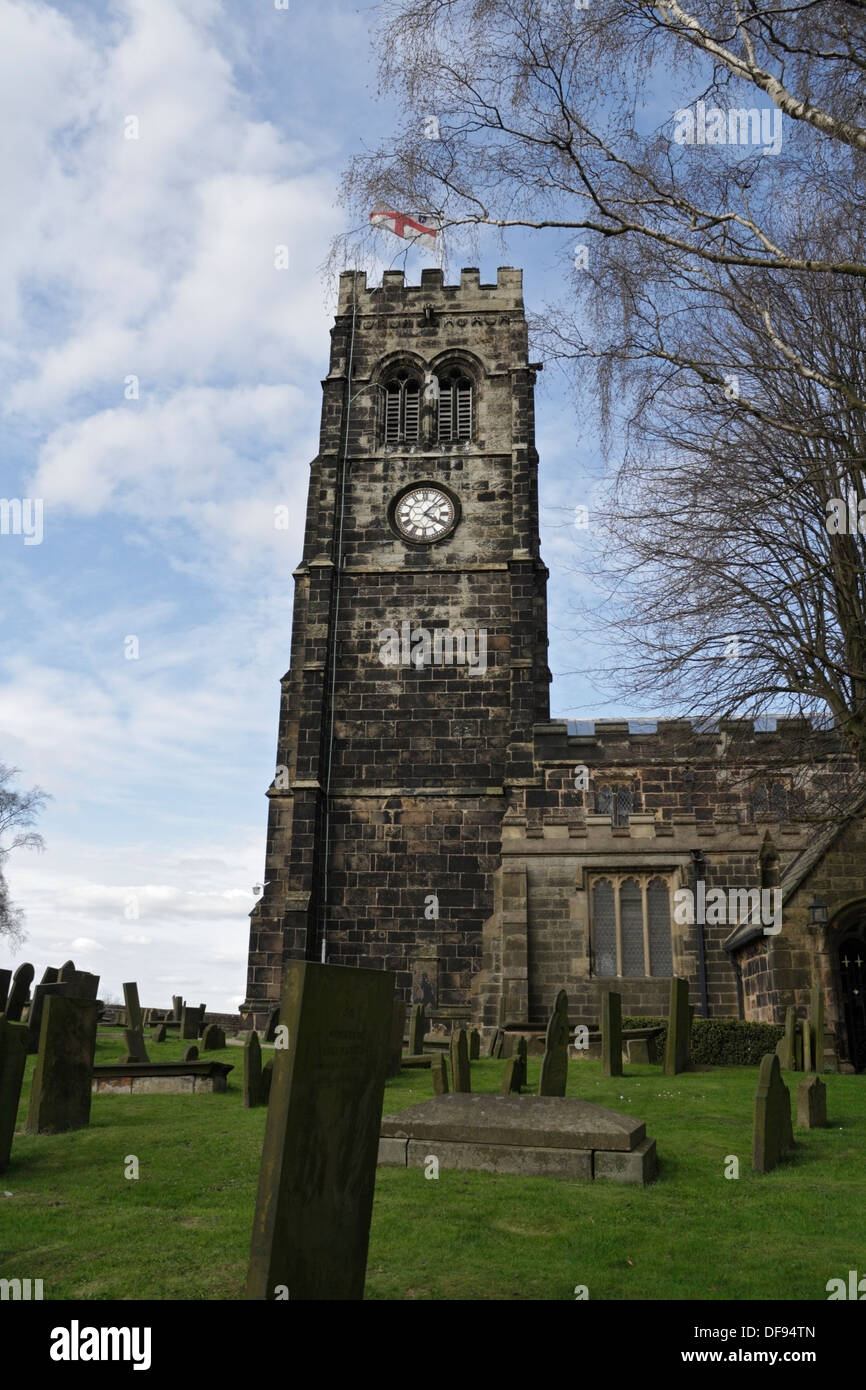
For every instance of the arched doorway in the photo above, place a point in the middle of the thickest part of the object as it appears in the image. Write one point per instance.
(851, 974)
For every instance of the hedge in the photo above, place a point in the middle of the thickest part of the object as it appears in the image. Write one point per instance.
(720, 1042)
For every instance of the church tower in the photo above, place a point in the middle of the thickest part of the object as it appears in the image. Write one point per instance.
(419, 643)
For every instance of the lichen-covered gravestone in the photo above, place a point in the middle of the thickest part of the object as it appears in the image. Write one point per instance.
(439, 1070)
(19, 992)
(13, 1059)
(773, 1134)
(311, 1226)
(679, 1027)
(252, 1071)
(190, 1054)
(611, 1033)
(46, 989)
(812, 1103)
(213, 1038)
(62, 1081)
(417, 1029)
(554, 1063)
(460, 1076)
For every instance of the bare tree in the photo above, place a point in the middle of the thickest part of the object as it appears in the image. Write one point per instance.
(715, 306)
(18, 812)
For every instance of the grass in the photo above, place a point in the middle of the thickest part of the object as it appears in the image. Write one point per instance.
(181, 1231)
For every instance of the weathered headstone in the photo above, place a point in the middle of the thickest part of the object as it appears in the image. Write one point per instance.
(417, 1030)
(460, 1077)
(808, 1060)
(816, 1023)
(13, 1059)
(812, 1103)
(213, 1038)
(158, 1035)
(188, 1023)
(41, 992)
(554, 1063)
(773, 1133)
(786, 1050)
(135, 1048)
(611, 1033)
(202, 1009)
(677, 1042)
(60, 1094)
(522, 1055)
(272, 1025)
(474, 1045)
(50, 975)
(398, 1028)
(494, 1039)
(5, 982)
(315, 1196)
(267, 1078)
(252, 1070)
(439, 1068)
(512, 1077)
(190, 1054)
(176, 1007)
(19, 992)
(134, 1033)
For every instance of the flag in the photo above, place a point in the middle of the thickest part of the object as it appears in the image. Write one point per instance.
(420, 229)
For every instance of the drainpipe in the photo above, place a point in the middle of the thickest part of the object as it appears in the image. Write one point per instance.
(699, 870)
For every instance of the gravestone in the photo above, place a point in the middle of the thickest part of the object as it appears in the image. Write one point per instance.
(135, 1048)
(512, 1077)
(808, 1060)
(439, 1068)
(188, 1023)
(522, 1054)
(459, 1050)
(13, 1059)
(267, 1078)
(812, 1103)
(495, 1037)
(19, 992)
(677, 1042)
(41, 992)
(474, 1045)
(190, 1054)
(60, 1094)
(816, 1023)
(272, 1024)
(398, 1028)
(554, 1063)
(786, 1049)
(176, 1007)
(417, 1029)
(133, 1034)
(5, 982)
(252, 1071)
(315, 1197)
(611, 1033)
(773, 1133)
(158, 1035)
(213, 1038)
(81, 984)
(202, 1009)
(50, 976)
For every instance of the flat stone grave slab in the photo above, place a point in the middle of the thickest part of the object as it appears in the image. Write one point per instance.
(160, 1078)
(537, 1136)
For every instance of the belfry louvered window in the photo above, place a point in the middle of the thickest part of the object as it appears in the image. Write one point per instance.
(455, 408)
(631, 926)
(402, 411)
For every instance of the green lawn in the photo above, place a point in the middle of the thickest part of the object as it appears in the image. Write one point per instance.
(182, 1230)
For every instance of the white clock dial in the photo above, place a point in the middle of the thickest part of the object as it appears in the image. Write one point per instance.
(424, 514)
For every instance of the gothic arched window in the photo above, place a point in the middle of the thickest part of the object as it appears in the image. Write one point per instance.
(402, 410)
(455, 407)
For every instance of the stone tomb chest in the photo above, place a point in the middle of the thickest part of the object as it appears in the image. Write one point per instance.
(535, 1136)
(159, 1078)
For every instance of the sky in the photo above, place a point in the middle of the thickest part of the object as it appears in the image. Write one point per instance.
(161, 397)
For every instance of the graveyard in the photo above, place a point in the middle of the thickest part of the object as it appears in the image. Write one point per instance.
(154, 1197)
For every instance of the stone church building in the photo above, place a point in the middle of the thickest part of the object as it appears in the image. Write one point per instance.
(429, 816)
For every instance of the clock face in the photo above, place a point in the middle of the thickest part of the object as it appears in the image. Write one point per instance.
(424, 514)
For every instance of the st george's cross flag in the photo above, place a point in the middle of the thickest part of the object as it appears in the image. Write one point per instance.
(420, 229)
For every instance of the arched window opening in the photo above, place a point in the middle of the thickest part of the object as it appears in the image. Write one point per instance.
(402, 410)
(455, 408)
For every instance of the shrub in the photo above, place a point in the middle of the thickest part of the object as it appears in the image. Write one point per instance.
(720, 1042)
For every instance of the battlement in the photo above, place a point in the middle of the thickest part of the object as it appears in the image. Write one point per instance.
(395, 296)
(684, 739)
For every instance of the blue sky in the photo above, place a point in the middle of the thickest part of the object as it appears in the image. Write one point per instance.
(153, 258)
